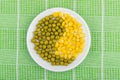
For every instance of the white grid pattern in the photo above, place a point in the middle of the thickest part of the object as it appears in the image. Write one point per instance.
(102, 44)
(17, 37)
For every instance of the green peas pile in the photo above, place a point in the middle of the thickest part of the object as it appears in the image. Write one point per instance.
(48, 31)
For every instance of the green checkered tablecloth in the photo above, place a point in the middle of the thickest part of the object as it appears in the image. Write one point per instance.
(103, 60)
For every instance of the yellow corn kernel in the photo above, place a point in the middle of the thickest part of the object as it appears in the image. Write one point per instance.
(70, 23)
(69, 56)
(74, 21)
(60, 13)
(62, 55)
(55, 14)
(78, 24)
(65, 56)
(66, 26)
(56, 45)
(81, 35)
(56, 53)
(82, 40)
(59, 49)
(66, 15)
(80, 50)
(82, 45)
(70, 49)
(63, 23)
(75, 55)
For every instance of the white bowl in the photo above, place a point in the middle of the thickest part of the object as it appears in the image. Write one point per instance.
(45, 64)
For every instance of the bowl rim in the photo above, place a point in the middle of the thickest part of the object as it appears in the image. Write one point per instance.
(89, 43)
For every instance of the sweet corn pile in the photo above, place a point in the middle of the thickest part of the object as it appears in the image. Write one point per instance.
(59, 38)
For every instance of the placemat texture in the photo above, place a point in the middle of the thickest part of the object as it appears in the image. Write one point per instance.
(17, 64)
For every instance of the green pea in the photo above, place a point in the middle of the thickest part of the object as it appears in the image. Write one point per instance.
(65, 60)
(61, 27)
(47, 18)
(33, 40)
(54, 41)
(46, 23)
(49, 25)
(57, 37)
(55, 21)
(37, 43)
(59, 30)
(43, 51)
(52, 59)
(45, 27)
(60, 34)
(42, 30)
(39, 52)
(49, 56)
(38, 29)
(40, 46)
(35, 32)
(43, 37)
(42, 55)
(49, 29)
(44, 46)
(38, 25)
(50, 21)
(46, 54)
(35, 37)
(48, 46)
(51, 52)
(53, 30)
(53, 25)
(41, 42)
(53, 48)
(69, 61)
(52, 36)
(56, 27)
(40, 21)
(47, 34)
(66, 64)
(63, 30)
(46, 50)
(53, 55)
(61, 59)
(48, 60)
(43, 20)
(50, 42)
(43, 33)
(45, 58)
(73, 58)
(36, 48)
(42, 24)
(61, 63)
(51, 33)
(57, 63)
(53, 63)
(61, 20)
(45, 42)
(39, 35)
(57, 18)
(51, 16)
(56, 33)
(53, 45)
(48, 38)
(57, 57)
(58, 24)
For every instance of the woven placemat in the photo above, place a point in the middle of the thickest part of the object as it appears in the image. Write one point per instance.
(103, 60)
